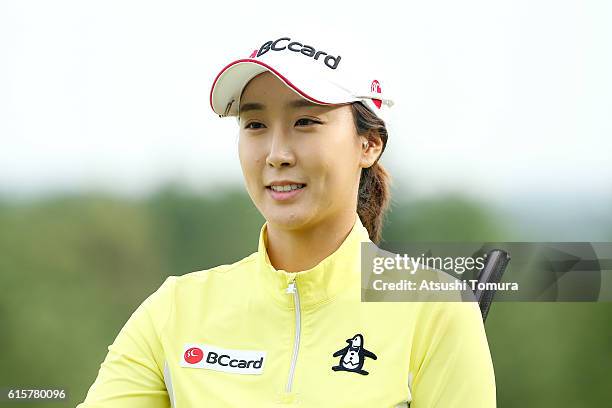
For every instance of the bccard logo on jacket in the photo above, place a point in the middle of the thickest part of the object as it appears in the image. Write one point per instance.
(353, 356)
(220, 359)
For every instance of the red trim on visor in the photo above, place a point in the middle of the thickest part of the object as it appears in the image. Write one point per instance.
(289, 83)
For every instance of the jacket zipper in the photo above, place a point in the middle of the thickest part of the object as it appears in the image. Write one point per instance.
(292, 289)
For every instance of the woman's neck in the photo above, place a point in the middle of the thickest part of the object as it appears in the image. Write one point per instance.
(300, 250)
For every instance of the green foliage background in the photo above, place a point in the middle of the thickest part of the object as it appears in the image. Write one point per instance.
(74, 267)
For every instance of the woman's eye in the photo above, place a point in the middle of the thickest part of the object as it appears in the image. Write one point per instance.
(306, 122)
(254, 125)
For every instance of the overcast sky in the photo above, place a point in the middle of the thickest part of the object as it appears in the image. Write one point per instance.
(492, 97)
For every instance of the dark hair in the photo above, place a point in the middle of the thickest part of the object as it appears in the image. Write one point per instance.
(374, 184)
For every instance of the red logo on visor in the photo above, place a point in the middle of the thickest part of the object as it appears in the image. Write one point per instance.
(254, 53)
(194, 355)
(375, 88)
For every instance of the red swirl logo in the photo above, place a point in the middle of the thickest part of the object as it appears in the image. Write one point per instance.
(194, 355)
(375, 88)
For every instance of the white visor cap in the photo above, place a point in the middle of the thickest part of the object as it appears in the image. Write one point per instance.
(322, 76)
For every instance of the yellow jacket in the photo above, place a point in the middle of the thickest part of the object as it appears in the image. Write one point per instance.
(247, 334)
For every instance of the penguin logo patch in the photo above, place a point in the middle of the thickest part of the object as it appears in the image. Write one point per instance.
(353, 356)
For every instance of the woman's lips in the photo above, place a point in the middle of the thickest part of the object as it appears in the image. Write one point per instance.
(284, 195)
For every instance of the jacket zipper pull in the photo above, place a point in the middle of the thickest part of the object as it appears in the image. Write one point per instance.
(291, 287)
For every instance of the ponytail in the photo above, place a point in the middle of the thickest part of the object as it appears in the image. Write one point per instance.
(374, 185)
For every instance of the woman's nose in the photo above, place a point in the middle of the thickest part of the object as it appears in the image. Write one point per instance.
(281, 151)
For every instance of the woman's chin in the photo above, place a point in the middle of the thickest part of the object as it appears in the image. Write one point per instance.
(288, 219)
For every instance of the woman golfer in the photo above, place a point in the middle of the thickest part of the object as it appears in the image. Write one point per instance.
(285, 326)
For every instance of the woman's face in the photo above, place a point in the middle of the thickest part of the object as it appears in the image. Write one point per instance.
(286, 140)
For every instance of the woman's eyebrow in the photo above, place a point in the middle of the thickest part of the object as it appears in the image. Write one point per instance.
(301, 103)
(297, 103)
(250, 106)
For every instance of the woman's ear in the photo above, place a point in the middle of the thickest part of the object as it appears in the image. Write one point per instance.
(371, 148)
